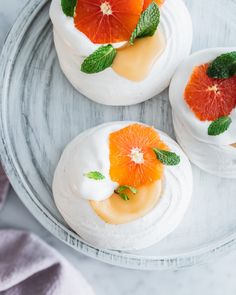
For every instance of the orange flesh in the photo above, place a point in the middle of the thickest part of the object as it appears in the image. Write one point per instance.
(132, 159)
(148, 2)
(115, 210)
(233, 145)
(134, 62)
(107, 21)
(210, 98)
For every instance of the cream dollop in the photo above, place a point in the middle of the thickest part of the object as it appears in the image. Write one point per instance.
(213, 154)
(87, 152)
(107, 87)
(138, 234)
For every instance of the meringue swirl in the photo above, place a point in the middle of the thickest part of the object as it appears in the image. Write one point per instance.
(107, 87)
(138, 234)
(214, 154)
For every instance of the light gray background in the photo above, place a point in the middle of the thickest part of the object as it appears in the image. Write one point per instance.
(216, 278)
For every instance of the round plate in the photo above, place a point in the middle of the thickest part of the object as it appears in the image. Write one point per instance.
(41, 112)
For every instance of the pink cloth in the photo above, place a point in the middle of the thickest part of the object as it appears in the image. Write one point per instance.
(28, 266)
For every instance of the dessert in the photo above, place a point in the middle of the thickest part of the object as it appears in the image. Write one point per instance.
(120, 52)
(122, 185)
(203, 99)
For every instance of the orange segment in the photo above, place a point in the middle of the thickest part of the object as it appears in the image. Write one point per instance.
(148, 2)
(210, 98)
(115, 210)
(107, 21)
(132, 160)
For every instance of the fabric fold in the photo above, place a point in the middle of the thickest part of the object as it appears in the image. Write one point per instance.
(29, 266)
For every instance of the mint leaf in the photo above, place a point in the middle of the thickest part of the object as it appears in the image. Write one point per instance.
(120, 191)
(166, 157)
(124, 196)
(68, 7)
(99, 60)
(148, 23)
(219, 126)
(223, 67)
(95, 175)
(125, 187)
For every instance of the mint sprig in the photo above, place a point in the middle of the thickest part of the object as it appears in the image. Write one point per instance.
(99, 60)
(95, 175)
(223, 67)
(166, 157)
(68, 7)
(148, 23)
(121, 191)
(219, 126)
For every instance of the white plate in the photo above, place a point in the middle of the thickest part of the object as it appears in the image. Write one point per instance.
(41, 113)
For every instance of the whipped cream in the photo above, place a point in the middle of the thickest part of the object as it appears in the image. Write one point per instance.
(107, 87)
(76, 209)
(213, 154)
(87, 152)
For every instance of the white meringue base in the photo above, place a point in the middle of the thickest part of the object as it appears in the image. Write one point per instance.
(219, 160)
(138, 234)
(213, 154)
(107, 87)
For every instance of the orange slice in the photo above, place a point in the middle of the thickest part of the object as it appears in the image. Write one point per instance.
(148, 2)
(107, 21)
(210, 98)
(132, 160)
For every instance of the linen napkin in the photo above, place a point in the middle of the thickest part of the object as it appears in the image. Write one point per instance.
(28, 266)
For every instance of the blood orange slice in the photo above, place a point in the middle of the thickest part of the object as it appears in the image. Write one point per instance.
(148, 2)
(107, 21)
(210, 98)
(132, 160)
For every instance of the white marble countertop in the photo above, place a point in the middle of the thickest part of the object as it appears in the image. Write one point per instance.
(216, 278)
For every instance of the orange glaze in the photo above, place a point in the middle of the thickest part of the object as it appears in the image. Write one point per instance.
(115, 210)
(134, 62)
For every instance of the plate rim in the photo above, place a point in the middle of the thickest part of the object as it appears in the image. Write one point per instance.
(117, 258)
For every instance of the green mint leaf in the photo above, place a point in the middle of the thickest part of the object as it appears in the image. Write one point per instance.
(120, 191)
(148, 23)
(99, 60)
(223, 67)
(124, 196)
(95, 175)
(166, 157)
(68, 7)
(232, 70)
(125, 187)
(219, 126)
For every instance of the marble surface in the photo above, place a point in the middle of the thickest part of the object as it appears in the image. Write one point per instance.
(216, 278)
